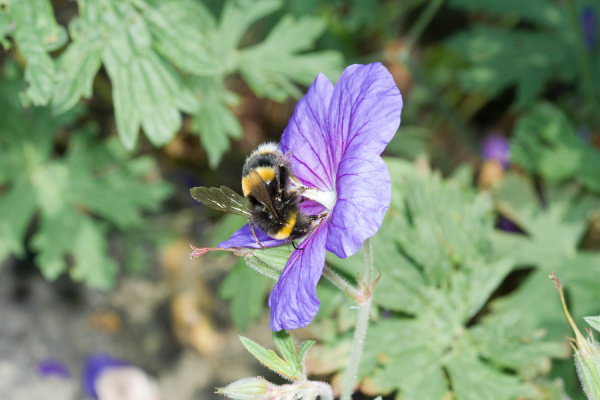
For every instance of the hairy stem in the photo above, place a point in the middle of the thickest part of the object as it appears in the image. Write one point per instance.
(340, 282)
(362, 323)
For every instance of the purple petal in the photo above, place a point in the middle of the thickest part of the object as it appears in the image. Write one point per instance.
(364, 194)
(53, 367)
(243, 238)
(364, 113)
(308, 139)
(93, 367)
(294, 300)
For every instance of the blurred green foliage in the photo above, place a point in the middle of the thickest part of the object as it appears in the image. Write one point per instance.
(65, 203)
(547, 143)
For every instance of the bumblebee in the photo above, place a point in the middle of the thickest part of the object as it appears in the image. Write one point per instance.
(272, 196)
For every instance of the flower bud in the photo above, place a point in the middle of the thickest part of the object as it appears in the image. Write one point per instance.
(587, 363)
(255, 388)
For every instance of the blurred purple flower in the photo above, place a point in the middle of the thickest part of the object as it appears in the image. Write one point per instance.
(496, 147)
(52, 367)
(94, 366)
(589, 22)
(335, 137)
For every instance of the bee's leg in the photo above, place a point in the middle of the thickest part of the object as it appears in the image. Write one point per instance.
(251, 225)
(297, 248)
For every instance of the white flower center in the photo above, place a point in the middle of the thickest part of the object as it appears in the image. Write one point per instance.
(328, 199)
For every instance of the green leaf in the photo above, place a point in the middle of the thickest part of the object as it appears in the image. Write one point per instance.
(17, 205)
(246, 291)
(269, 359)
(236, 18)
(179, 32)
(53, 240)
(545, 142)
(213, 120)
(473, 379)
(395, 358)
(495, 61)
(93, 266)
(287, 348)
(76, 67)
(35, 33)
(147, 91)
(269, 261)
(554, 230)
(272, 67)
(594, 322)
(119, 197)
(303, 350)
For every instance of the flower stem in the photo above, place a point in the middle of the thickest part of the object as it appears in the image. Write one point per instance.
(360, 332)
(340, 282)
(368, 249)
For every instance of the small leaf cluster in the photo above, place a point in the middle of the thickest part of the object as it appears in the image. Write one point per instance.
(60, 206)
(289, 363)
(163, 59)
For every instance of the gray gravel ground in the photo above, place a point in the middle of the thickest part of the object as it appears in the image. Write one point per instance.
(41, 320)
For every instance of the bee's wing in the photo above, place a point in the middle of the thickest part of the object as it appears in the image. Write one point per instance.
(261, 192)
(221, 199)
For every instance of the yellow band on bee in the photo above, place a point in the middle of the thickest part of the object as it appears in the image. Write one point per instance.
(286, 230)
(267, 174)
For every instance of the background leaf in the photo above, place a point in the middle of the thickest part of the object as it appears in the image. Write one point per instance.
(36, 33)
(545, 142)
(495, 62)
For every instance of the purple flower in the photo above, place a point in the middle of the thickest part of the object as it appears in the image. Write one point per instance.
(335, 138)
(496, 147)
(94, 366)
